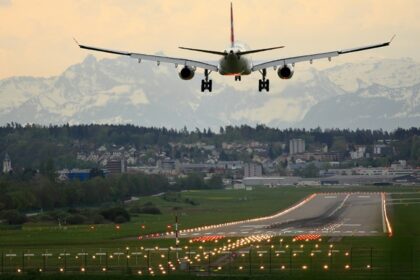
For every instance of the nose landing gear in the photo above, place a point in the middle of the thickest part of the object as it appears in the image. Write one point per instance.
(264, 83)
(206, 84)
(237, 78)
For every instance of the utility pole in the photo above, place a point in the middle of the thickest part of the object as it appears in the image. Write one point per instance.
(250, 260)
(176, 236)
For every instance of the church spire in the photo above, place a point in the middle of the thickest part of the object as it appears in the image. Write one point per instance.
(7, 164)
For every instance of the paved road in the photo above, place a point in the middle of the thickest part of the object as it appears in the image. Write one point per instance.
(338, 214)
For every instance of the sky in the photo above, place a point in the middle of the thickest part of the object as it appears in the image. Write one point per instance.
(36, 36)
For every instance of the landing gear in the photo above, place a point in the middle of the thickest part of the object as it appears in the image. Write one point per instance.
(237, 78)
(264, 83)
(206, 84)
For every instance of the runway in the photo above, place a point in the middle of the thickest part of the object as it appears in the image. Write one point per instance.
(327, 214)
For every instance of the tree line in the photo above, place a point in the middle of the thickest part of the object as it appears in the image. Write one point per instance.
(41, 193)
(32, 145)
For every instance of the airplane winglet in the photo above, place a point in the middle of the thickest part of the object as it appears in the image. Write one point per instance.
(74, 39)
(392, 38)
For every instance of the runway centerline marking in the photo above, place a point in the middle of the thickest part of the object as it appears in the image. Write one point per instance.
(339, 206)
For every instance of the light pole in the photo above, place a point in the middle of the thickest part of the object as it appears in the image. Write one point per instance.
(250, 260)
(176, 236)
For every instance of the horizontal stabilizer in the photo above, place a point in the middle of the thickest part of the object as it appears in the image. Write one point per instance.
(204, 51)
(260, 50)
(224, 53)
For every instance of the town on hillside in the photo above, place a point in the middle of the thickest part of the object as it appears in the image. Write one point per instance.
(265, 157)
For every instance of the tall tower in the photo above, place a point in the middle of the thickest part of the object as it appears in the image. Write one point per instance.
(7, 164)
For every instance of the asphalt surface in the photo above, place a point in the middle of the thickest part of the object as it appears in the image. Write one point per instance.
(337, 214)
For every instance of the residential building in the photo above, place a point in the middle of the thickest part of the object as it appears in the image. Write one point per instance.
(382, 150)
(358, 153)
(252, 169)
(116, 166)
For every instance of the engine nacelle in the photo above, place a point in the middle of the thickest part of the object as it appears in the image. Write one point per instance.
(187, 73)
(286, 72)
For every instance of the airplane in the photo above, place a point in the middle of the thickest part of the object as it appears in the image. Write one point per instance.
(234, 61)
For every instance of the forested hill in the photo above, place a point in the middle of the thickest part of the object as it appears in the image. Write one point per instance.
(30, 145)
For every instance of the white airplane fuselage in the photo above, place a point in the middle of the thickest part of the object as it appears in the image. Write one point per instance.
(234, 64)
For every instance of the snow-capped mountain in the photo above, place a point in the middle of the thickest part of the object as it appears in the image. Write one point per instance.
(372, 94)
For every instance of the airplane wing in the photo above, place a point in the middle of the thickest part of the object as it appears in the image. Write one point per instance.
(157, 58)
(311, 57)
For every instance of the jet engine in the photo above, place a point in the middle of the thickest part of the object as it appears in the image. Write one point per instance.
(286, 72)
(187, 73)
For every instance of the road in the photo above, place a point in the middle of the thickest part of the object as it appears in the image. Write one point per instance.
(329, 214)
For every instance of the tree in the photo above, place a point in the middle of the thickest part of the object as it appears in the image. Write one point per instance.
(48, 169)
(13, 217)
(309, 171)
(96, 172)
(111, 214)
(215, 182)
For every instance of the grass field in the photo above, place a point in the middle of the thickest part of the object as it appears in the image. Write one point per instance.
(213, 207)
(377, 256)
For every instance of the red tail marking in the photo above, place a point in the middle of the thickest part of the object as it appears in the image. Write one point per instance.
(232, 35)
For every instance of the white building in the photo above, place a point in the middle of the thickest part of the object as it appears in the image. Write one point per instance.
(7, 164)
(358, 153)
(252, 170)
(296, 146)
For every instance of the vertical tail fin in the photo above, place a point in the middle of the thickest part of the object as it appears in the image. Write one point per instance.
(232, 34)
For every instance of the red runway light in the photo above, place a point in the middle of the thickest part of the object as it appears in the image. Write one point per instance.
(307, 237)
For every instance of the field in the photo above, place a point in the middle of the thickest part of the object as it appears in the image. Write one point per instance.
(104, 249)
(213, 207)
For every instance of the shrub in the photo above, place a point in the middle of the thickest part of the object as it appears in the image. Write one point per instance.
(150, 210)
(13, 217)
(98, 219)
(190, 201)
(120, 220)
(76, 219)
(112, 213)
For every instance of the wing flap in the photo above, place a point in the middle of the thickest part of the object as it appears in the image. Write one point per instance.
(292, 60)
(156, 58)
(311, 57)
(176, 61)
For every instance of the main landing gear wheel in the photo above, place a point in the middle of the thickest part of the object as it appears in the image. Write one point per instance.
(206, 84)
(237, 78)
(264, 83)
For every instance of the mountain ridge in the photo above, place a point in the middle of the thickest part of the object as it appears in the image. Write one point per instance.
(381, 93)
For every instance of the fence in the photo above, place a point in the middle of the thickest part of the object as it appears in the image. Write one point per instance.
(254, 260)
